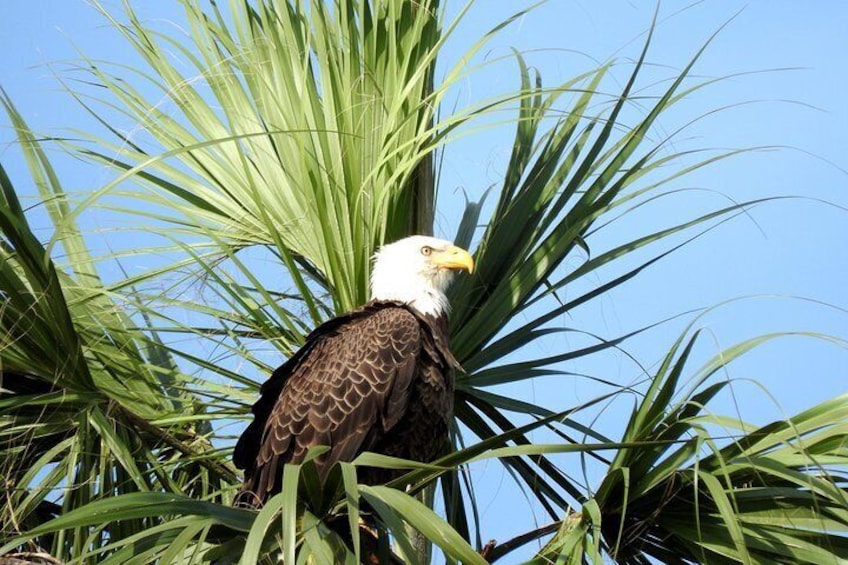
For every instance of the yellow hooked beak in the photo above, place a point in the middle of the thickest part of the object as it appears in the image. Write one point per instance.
(453, 258)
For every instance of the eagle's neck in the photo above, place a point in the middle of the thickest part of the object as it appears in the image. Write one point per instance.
(424, 294)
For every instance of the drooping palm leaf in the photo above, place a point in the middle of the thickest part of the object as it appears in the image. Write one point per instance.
(83, 387)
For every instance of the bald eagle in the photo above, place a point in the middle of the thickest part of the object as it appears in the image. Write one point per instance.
(379, 378)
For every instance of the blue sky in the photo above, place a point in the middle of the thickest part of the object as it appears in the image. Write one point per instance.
(786, 78)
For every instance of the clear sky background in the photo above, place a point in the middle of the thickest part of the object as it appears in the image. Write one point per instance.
(787, 77)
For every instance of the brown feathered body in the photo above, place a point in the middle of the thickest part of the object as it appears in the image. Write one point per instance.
(377, 379)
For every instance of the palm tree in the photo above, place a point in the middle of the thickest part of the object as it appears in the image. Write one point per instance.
(289, 141)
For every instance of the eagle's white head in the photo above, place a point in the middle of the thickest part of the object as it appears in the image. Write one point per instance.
(417, 270)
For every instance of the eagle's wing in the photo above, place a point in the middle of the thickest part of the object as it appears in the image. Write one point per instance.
(349, 384)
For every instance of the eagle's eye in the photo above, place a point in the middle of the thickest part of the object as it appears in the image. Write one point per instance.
(426, 250)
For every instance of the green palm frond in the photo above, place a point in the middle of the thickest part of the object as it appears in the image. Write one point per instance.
(675, 492)
(320, 136)
(83, 387)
